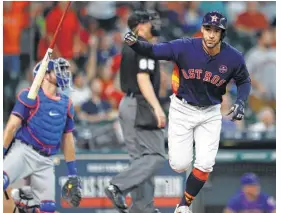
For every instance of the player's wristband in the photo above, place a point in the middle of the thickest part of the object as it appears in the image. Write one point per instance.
(71, 166)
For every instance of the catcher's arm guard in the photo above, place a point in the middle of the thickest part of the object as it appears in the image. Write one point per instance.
(71, 191)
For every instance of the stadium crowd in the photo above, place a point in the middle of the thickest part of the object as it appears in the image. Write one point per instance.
(91, 38)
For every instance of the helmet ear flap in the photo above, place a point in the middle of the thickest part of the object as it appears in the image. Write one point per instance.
(223, 34)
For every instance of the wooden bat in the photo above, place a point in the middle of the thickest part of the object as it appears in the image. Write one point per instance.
(6, 195)
(42, 70)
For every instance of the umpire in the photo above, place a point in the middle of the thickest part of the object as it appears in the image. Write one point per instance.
(142, 120)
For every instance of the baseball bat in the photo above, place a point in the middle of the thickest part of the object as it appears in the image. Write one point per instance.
(42, 70)
(6, 195)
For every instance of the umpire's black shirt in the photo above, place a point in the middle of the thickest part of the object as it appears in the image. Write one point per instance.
(132, 64)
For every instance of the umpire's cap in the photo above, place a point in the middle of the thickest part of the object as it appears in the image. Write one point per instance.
(215, 18)
(138, 17)
(249, 179)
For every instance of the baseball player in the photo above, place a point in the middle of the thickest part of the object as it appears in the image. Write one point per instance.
(205, 66)
(250, 198)
(39, 128)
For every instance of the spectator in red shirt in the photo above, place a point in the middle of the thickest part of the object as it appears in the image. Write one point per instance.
(68, 40)
(252, 20)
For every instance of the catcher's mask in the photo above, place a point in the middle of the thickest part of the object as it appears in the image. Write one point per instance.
(60, 66)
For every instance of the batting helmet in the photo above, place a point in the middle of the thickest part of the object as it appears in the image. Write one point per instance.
(215, 18)
(61, 68)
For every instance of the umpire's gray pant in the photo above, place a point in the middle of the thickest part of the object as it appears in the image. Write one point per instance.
(147, 152)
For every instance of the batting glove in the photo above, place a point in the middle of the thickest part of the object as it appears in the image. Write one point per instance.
(238, 110)
(130, 38)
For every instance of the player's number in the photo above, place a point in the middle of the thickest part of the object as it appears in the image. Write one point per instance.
(147, 64)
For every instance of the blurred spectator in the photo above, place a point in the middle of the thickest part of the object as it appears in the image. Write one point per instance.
(252, 19)
(80, 92)
(261, 63)
(96, 109)
(192, 17)
(268, 8)
(26, 82)
(234, 8)
(266, 121)
(227, 124)
(110, 92)
(122, 25)
(106, 49)
(207, 6)
(68, 40)
(250, 198)
(104, 12)
(14, 21)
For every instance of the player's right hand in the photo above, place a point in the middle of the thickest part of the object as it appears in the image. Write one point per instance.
(130, 38)
(161, 117)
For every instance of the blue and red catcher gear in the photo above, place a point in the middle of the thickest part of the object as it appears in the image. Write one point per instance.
(61, 68)
(216, 19)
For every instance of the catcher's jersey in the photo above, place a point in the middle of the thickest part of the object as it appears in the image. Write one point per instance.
(44, 120)
(199, 78)
(264, 203)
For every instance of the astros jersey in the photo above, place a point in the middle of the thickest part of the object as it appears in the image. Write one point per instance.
(44, 120)
(239, 204)
(201, 79)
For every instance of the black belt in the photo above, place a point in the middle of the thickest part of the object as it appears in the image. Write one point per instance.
(132, 94)
(190, 103)
(38, 150)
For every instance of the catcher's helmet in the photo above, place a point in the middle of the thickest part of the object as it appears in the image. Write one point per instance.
(215, 18)
(61, 68)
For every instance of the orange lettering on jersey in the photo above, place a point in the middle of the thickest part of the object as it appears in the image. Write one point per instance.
(198, 73)
(215, 79)
(222, 81)
(185, 75)
(208, 76)
(191, 73)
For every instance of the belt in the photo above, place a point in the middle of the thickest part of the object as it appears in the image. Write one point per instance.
(38, 150)
(132, 94)
(190, 103)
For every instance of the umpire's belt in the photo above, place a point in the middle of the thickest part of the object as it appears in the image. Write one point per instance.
(38, 150)
(132, 94)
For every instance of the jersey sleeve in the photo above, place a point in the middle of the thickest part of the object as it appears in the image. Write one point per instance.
(23, 105)
(242, 80)
(145, 65)
(241, 74)
(169, 51)
(234, 204)
(69, 126)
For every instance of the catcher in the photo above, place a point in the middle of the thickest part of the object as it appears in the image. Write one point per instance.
(40, 127)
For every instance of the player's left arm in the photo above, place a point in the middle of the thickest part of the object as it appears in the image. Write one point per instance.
(71, 190)
(243, 83)
(68, 146)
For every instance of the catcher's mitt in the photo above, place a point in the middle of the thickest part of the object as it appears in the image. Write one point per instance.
(71, 191)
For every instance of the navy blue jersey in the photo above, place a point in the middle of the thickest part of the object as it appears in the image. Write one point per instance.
(202, 78)
(263, 204)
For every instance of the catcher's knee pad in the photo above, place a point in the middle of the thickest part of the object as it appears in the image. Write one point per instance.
(6, 181)
(48, 206)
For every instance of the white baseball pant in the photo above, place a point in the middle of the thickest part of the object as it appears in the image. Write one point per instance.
(187, 124)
